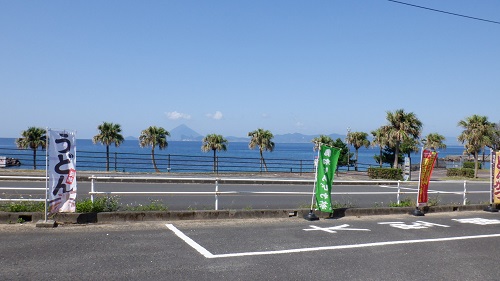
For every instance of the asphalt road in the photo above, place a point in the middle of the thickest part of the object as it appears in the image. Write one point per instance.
(248, 201)
(439, 246)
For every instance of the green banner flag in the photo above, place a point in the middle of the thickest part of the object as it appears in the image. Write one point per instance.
(325, 170)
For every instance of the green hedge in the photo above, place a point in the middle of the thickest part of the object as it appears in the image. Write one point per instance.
(470, 165)
(460, 172)
(385, 173)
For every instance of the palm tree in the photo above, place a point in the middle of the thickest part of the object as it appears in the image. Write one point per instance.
(434, 141)
(33, 138)
(358, 139)
(261, 138)
(495, 141)
(408, 146)
(154, 136)
(109, 133)
(322, 139)
(401, 126)
(380, 140)
(477, 134)
(214, 142)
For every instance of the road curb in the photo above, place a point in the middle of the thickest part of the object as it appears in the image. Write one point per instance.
(117, 217)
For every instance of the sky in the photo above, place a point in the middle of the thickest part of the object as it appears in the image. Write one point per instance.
(231, 67)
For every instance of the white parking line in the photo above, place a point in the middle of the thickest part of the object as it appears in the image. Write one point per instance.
(209, 255)
(190, 241)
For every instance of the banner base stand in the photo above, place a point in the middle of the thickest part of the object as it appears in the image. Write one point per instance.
(417, 212)
(311, 216)
(330, 217)
(46, 223)
(491, 209)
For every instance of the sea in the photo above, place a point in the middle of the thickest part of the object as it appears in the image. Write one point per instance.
(187, 156)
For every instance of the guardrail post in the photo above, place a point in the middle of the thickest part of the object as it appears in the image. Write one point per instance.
(216, 194)
(465, 193)
(399, 190)
(92, 188)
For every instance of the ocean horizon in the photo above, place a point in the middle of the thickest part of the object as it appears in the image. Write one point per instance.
(283, 152)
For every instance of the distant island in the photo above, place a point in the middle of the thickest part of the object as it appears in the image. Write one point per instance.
(184, 133)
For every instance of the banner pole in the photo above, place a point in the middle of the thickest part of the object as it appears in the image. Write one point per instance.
(311, 216)
(417, 211)
(46, 222)
(492, 166)
(47, 143)
(493, 158)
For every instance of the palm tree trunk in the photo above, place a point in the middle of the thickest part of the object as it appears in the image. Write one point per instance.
(214, 160)
(34, 159)
(107, 158)
(396, 156)
(380, 159)
(356, 164)
(262, 160)
(153, 157)
(476, 160)
(409, 159)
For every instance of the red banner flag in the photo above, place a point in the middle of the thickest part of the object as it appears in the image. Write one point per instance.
(426, 167)
(495, 170)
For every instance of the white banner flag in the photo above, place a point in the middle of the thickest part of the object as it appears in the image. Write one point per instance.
(62, 171)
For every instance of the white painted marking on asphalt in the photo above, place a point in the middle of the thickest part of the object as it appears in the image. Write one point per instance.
(209, 255)
(478, 221)
(402, 187)
(333, 229)
(430, 190)
(414, 225)
(339, 247)
(190, 241)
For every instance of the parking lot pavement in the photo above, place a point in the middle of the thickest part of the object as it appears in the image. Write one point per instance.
(439, 246)
(223, 240)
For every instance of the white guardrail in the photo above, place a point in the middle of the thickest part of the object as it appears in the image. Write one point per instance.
(22, 188)
(169, 180)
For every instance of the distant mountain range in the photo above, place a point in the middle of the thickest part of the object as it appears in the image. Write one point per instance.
(184, 133)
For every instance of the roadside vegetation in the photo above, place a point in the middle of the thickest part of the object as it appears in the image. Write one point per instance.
(100, 204)
(22, 207)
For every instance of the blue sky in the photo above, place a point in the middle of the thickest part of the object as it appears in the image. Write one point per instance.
(230, 67)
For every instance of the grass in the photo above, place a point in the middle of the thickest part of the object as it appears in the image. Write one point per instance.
(101, 204)
(23, 206)
(406, 202)
(410, 202)
(347, 204)
(155, 205)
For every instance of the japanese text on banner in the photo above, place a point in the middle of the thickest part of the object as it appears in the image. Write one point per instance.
(496, 177)
(427, 165)
(327, 164)
(62, 171)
